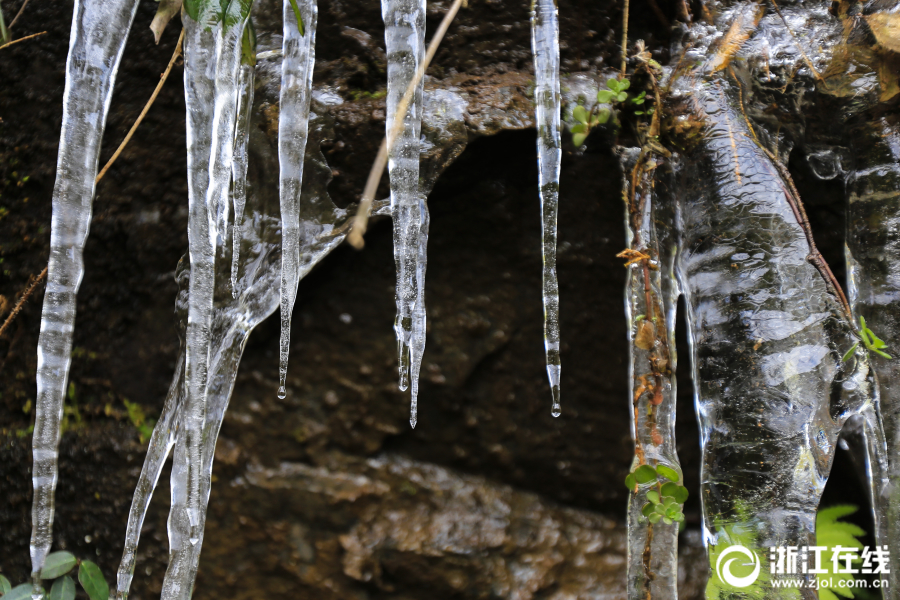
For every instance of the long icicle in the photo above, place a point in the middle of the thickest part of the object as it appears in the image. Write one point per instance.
(239, 165)
(97, 39)
(293, 126)
(404, 33)
(545, 47)
(199, 91)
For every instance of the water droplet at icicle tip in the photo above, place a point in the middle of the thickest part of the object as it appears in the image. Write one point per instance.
(282, 393)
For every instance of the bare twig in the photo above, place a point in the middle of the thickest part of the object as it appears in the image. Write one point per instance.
(162, 80)
(21, 39)
(18, 14)
(355, 238)
(21, 302)
(796, 43)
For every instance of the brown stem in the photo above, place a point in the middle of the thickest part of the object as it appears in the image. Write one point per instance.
(21, 39)
(21, 302)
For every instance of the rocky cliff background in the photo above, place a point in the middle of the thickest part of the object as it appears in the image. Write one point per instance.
(328, 493)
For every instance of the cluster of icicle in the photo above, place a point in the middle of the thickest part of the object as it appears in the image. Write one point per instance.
(219, 306)
(719, 224)
(776, 354)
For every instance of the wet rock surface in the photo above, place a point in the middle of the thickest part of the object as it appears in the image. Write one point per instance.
(328, 493)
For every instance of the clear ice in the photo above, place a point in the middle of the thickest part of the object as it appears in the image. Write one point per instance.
(296, 91)
(651, 301)
(873, 261)
(239, 166)
(768, 332)
(404, 33)
(97, 39)
(202, 45)
(545, 48)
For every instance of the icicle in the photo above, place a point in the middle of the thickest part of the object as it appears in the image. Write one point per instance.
(545, 47)
(296, 91)
(99, 31)
(239, 166)
(324, 227)
(873, 261)
(404, 34)
(200, 99)
(161, 442)
(768, 329)
(651, 299)
(228, 67)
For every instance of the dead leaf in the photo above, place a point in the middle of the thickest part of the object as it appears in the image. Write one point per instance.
(646, 335)
(167, 9)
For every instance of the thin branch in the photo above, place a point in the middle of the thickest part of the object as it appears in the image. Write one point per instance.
(18, 14)
(796, 43)
(21, 302)
(162, 80)
(21, 39)
(355, 238)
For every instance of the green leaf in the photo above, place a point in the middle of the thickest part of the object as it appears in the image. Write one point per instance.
(580, 114)
(669, 489)
(630, 481)
(605, 96)
(20, 592)
(4, 585)
(647, 510)
(193, 8)
(248, 44)
(622, 97)
(667, 520)
(638, 112)
(624, 85)
(660, 509)
(850, 352)
(672, 511)
(602, 116)
(681, 494)
(91, 579)
(882, 354)
(297, 14)
(63, 589)
(57, 564)
(645, 474)
(654, 518)
(579, 128)
(668, 472)
(653, 496)
(613, 84)
(679, 517)
(578, 139)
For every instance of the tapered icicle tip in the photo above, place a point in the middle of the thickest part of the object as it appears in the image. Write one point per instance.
(282, 393)
(556, 410)
(414, 412)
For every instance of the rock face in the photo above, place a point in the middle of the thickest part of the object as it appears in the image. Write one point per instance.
(328, 493)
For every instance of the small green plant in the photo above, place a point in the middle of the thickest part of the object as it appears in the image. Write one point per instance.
(57, 569)
(871, 341)
(139, 419)
(616, 93)
(666, 502)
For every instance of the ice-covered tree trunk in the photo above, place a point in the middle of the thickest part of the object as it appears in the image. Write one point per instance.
(651, 301)
(873, 261)
(768, 333)
(96, 42)
(545, 47)
(404, 33)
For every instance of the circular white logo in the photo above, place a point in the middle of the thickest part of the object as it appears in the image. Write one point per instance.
(723, 567)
